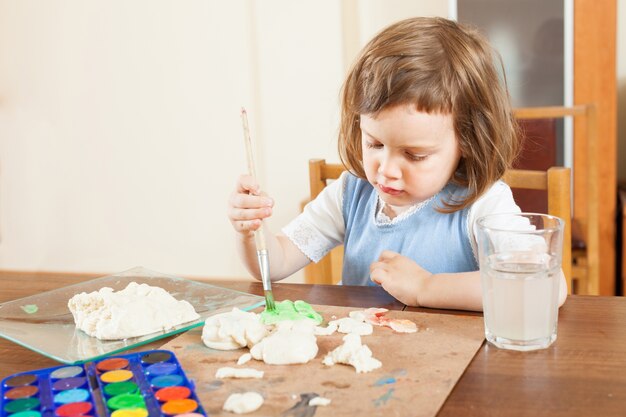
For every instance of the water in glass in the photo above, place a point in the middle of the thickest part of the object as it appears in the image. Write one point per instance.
(521, 299)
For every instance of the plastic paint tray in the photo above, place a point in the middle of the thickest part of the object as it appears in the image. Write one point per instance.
(133, 385)
(44, 323)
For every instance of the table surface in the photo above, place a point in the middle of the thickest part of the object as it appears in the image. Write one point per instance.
(582, 374)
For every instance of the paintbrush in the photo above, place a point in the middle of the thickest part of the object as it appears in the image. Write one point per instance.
(259, 236)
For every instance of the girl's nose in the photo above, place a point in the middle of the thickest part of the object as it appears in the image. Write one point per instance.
(388, 167)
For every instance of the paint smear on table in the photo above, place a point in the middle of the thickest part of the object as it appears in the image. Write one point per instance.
(30, 308)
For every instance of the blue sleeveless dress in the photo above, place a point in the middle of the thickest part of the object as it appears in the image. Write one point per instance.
(438, 242)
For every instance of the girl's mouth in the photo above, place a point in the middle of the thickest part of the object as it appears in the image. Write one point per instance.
(389, 190)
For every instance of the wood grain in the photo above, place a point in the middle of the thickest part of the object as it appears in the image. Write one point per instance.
(582, 374)
(595, 81)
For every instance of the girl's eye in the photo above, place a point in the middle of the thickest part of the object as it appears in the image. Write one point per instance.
(373, 145)
(414, 157)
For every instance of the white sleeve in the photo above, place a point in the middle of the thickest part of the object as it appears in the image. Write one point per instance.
(320, 227)
(498, 199)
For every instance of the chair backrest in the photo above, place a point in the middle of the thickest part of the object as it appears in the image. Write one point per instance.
(328, 269)
(585, 216)
(555, 180)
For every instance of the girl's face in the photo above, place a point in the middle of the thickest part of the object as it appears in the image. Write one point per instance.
(408, 155)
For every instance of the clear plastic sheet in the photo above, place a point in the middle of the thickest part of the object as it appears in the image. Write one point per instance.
(43, 322)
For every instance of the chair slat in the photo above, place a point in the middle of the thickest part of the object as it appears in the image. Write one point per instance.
(549, 112)
(556, 181)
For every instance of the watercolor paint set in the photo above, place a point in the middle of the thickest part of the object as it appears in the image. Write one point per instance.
(150, 383)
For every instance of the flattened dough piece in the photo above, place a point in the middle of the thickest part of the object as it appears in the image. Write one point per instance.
(317, 401)
(228, 372)
(233, 330)
(292, 342)
(243, 403)
(352, 325)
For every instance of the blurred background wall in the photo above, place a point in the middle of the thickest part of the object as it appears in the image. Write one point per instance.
(120, 132)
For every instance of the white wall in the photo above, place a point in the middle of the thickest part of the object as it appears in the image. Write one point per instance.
(120, 135)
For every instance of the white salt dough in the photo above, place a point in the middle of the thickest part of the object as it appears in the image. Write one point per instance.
(227, 372)
(137, 310)
(233, 330)
(244, 358)
(243, 403)
(291, 342)
(325, 331)
(402, 326)
(353, 353)
(352, 325)
(317, 401)
(376, 316)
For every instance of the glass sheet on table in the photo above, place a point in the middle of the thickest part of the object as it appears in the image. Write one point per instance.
(44, 323)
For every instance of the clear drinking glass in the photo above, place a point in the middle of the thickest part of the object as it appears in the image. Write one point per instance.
(520, 266)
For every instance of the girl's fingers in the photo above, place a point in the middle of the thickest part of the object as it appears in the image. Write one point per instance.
(239, 214)
(377, 277)
(375, 265)
(247, 206)
(248, 201)
(247, 185)
(377, 272)
(247, 226)
(387, 255)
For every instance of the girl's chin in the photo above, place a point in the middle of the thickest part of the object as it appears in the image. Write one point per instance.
(401, 203)
(397, 203)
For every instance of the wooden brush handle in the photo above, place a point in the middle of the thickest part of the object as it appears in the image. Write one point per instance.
(259, 236)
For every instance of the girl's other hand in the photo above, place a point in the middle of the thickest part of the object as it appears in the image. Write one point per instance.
(399, 276)
(248, 206)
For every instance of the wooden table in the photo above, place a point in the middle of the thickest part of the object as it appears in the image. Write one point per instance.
(582, 374)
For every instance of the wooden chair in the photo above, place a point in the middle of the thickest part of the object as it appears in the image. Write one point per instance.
(328, 269)
(555, 180)
(585, 217)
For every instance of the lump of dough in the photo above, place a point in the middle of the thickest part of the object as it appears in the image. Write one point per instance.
(244, 358)
(291, 342)
(227, 372)
(402, 325)
(376, 316)
(325, 331)
(233, 330)
(319, 401)
(243, 403)
(352, 325)
(353, 353)
(137, 310)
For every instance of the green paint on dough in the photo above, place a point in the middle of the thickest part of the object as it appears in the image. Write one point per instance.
(289, 310)
(30, 308)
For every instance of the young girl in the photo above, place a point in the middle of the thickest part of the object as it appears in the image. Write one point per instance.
(426, 134)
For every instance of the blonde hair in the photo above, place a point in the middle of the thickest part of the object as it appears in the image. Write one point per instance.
(441, 67)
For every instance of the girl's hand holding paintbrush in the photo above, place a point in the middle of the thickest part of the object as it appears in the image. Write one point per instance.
(265, 255)
(247, 208)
